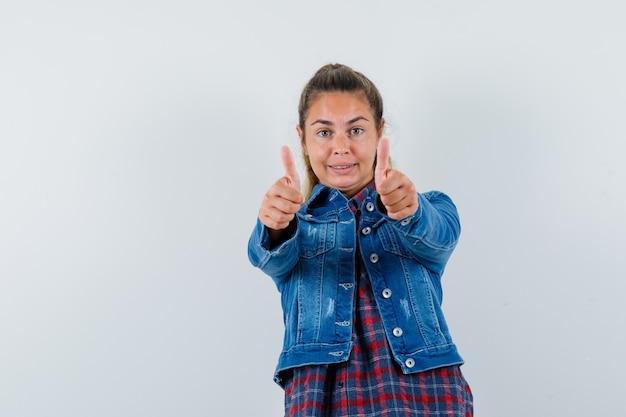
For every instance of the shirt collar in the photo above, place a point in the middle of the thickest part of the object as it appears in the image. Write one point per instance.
(357, 200)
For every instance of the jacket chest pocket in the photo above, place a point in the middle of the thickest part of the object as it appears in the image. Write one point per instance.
(391, 243)
(318, 238)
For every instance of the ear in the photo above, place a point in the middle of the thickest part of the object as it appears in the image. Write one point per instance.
(299, 130)
(302, 141)
(382, 128)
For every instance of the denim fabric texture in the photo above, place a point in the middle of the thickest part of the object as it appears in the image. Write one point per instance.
(405, 259)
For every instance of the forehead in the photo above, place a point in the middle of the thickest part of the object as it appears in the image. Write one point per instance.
(339, 105)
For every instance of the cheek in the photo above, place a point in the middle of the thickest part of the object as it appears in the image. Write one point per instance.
(368, 154)
(316, 153)
(317, 160)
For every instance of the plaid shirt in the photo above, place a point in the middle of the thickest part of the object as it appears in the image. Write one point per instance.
(370, 383)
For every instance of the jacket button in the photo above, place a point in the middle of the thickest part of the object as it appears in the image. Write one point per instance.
(386, 293)
(373, 258)
(369, 206)
(397, 332)
(405, 221)
(409, 363)
(366, 230)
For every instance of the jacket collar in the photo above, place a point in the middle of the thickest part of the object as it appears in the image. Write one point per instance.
(326, 200)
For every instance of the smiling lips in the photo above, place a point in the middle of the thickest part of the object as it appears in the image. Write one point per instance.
(341, 168)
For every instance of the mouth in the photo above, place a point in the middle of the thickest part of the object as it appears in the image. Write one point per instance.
(341, 166)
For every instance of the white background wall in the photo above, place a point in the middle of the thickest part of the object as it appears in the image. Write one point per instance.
(138, 137)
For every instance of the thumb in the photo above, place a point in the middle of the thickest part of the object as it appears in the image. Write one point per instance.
(290, 167)
(382, 160)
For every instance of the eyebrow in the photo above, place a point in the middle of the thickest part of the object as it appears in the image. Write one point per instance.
(329, 123)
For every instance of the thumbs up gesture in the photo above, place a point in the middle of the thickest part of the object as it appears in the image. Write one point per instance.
(283, 200)
(397, 192)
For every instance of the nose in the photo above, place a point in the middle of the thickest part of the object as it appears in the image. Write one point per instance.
(341, 144)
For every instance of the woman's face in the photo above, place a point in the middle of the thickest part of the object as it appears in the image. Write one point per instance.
(340, 139)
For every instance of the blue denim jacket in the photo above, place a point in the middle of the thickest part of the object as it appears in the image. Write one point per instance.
(314, 271)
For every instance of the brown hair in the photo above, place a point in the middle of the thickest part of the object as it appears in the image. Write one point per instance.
(335, 78)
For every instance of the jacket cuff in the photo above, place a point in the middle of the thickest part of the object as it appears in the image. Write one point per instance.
(405, 221)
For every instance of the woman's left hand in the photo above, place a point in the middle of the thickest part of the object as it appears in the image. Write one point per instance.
(397, 192)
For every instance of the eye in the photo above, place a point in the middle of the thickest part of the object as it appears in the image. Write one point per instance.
(323, 133)
(356, 131)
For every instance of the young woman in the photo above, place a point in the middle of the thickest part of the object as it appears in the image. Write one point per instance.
(358, 259)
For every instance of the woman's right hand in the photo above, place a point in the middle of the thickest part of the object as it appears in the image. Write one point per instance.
(283, 200)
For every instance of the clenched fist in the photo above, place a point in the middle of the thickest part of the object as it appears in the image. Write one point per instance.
(397, 192)
(283, 200)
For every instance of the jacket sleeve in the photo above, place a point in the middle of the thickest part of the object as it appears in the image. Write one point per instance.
(432, 233)
(277, 262)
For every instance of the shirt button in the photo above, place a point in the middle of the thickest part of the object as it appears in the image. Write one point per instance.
(397, 332)
(386, 293)
(369, 206)
(405, 221)
(409, 363)
(366, 230)
(373, 258)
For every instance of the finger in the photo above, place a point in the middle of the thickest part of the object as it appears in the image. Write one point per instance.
(290, 167)
(382, 160)
(284, 197)
(275, 219)
(402, 200)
